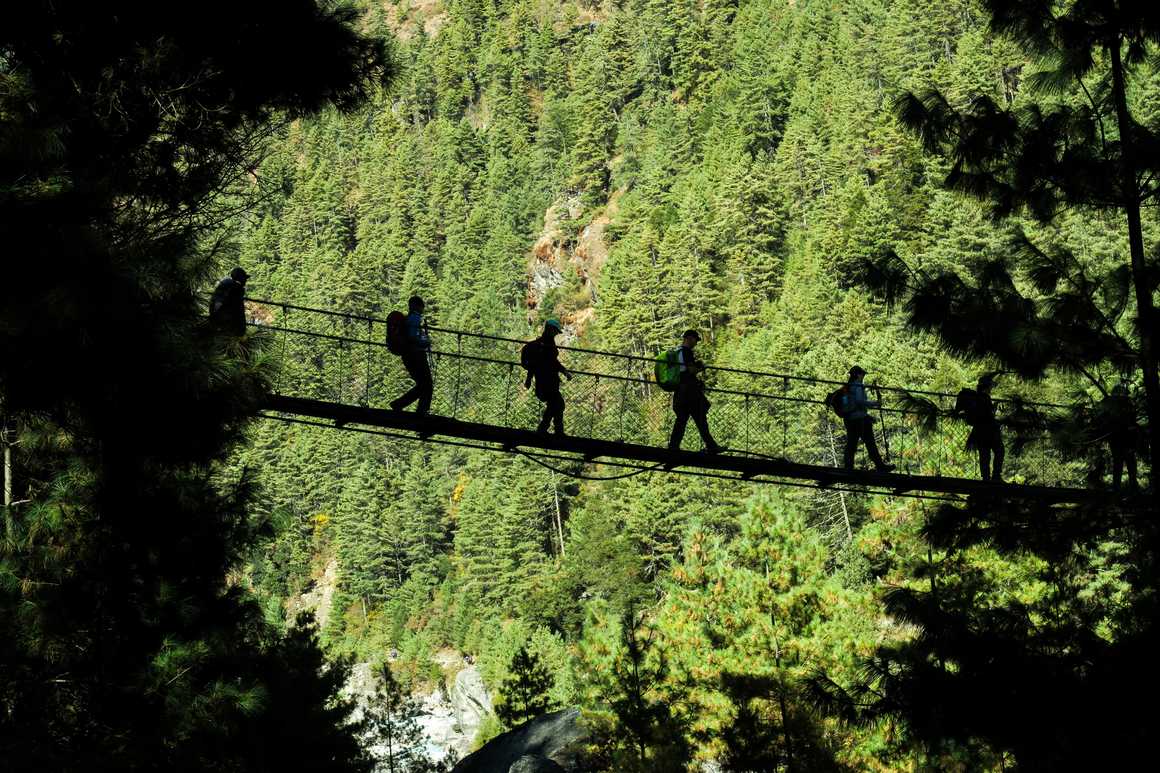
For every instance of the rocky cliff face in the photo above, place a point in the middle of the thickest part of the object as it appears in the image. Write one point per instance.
(547, 744)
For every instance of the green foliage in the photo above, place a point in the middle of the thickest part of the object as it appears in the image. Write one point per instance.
(524, 694)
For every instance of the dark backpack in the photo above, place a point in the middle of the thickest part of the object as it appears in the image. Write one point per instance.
(837, 401)
(532, 355)
(967, 406)
(397, 332)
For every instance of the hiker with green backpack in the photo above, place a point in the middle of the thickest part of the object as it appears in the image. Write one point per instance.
(850, 402)
(541, 359)
(679, 371)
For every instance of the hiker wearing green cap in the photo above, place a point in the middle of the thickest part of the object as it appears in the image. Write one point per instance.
(541, 358)
(689, 397)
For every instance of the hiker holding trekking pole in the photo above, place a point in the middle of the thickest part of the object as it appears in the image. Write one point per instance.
(851, 403)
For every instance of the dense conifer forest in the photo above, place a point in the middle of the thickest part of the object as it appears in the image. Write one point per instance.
(931, 190)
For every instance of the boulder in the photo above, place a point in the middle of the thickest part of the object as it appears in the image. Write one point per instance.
(469, 700)
(553, 742)
(534, 763)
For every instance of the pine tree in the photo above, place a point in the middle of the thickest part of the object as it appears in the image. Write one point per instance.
(524, 693)
(392, 730)
(130, 643)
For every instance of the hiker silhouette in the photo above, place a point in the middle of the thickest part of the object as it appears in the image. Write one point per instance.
(227, 307)
(689, 397)
(1116, 415)
(986, 436)
(858, 422)
(414, 355)
(541, 358)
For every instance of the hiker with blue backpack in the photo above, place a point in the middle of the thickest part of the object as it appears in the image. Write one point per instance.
(689, 395)
(541, 359)
(851, 403)
(407, 337)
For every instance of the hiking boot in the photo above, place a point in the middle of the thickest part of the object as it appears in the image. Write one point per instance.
(884, 468)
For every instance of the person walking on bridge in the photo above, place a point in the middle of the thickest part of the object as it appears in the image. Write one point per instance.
(858, 422)
(689, 397)
(1117, 419)
(414, 355)
(227, 305)
(541, 358)
(986, 437)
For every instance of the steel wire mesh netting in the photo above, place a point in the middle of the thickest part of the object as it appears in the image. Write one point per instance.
(343, 358)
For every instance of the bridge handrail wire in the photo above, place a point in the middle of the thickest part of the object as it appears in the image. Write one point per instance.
(622, 355)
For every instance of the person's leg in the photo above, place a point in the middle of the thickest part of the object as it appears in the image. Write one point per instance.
(701, 419)
(871, 443)
(984, 460)
(852, 432)
(424, 383)
(1000, 453)
(415, 392)
(678, 429)
(545, 418)
(1133, 480)
(556, 406)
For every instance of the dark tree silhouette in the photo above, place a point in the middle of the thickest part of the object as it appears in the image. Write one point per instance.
(128, 642)
(1042, 678)
(524, 694)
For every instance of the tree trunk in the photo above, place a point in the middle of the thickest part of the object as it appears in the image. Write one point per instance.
(1131, 201)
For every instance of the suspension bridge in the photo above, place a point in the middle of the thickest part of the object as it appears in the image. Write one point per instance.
(335, 370)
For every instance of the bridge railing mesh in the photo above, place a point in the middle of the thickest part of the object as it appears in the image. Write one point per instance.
(343, 358)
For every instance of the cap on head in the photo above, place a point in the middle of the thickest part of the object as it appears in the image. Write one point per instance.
(986, 382)
(554, 324)
(239, 275)
(692, 334)
(415, 303)
(857, 370)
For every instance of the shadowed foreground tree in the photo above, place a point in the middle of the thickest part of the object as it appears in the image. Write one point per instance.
(524, 694)
(1045, 674)
(129, 643)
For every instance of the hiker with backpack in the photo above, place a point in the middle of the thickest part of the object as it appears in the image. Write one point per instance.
(1116, 415)
(689, 396)
(227, 305)
(977, 407)
(851, 403)
(541, 359)
(408, 338)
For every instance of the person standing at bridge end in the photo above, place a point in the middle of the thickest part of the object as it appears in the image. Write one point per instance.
(227, 305)
(858, 422)
(414, 354)
(986, 437)
(689, 397)
(541, 358)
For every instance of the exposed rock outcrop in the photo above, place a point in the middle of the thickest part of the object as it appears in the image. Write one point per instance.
(547, 744)
(469, 700)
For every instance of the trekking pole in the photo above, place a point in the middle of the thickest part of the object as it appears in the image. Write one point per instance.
(882, 418)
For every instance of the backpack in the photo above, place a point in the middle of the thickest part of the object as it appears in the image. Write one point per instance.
(531, 354)
(837, 401)
(397, 333)
(668, 370)
(967, 405)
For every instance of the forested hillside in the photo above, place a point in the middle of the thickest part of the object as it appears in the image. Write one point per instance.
(636, 168)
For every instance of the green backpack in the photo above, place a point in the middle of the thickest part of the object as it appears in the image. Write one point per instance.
(668, 369)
